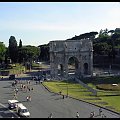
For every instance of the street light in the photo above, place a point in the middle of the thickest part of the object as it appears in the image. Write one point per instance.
(66, 84)
(67, 88)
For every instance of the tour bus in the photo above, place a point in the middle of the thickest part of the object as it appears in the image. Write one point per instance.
(22, 110)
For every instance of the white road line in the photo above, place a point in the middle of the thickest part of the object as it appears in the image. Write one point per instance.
(8, 109)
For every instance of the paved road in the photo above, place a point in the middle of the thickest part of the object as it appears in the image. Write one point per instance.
(43, 103)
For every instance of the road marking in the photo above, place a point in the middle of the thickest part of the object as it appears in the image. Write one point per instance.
(9, 110)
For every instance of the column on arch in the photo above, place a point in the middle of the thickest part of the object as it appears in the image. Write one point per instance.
(91, 62)
(66, 67)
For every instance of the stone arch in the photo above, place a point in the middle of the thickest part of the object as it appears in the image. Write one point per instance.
(81, 50)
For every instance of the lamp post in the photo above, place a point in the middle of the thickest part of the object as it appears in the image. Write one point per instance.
(66, 84)
(67, 88)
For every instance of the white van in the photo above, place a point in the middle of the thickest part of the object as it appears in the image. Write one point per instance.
(22, 110)
(12, 104)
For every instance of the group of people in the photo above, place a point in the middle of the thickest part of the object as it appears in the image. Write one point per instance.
(24, 86)
(92, 114)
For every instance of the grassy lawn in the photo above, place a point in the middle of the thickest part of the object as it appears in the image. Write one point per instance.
(104, 98)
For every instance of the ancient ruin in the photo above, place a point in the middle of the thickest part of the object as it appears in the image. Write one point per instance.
(81, 51)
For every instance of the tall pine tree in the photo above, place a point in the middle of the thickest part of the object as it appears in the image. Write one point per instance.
(13, 49)
(20, 56)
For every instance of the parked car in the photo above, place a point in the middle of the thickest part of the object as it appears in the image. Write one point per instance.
(12, 104)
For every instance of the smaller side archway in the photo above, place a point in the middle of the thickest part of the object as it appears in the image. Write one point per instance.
(85, 66)
(60, 70)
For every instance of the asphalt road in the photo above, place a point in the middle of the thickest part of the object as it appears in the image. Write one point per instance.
(44, 102)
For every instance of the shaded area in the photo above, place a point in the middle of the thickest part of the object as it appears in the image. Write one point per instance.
(92, 99)
(6, 114)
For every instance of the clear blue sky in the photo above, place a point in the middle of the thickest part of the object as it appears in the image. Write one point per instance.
(37, 23)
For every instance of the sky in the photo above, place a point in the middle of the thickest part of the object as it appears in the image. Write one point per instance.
(38, 23)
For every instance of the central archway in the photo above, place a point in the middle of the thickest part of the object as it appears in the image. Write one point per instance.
(73, 65)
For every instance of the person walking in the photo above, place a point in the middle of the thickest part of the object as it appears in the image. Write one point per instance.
(15, 96)
(36, 82)
(16, 90)
(29, 89)
(100, 111)
(77, 115)
(92, 114)
(21, 85)
(27, 98)
(32, 88)
(63, 96)
(60, 92)
(51, 115)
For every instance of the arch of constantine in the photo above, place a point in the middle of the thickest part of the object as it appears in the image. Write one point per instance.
(81, 51)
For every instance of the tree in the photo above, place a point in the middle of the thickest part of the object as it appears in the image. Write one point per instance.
(2, 52)
(111, 31)
(84, 36)
(102, 48)
(13, 49)
(44, 52)
(20, 59)
(29, 53)
(20, 43)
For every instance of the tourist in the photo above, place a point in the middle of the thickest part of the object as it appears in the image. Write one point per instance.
(60, 92)
(29, 89)
(92, 114)
(63, 96)
(77, 115)
(15, 96)
(36, 82)
(27, 98)
(21, 85)
(50, 116)
(16, 90)
(12, 84)
(32, 88)
(103, 116)
(100, 111)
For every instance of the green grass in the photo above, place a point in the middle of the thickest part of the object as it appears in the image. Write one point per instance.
(77, 91)
(113, 101)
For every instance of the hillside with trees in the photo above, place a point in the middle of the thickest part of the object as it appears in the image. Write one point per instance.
(106, 46)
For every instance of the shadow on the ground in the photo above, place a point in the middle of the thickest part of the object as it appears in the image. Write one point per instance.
(109, 95)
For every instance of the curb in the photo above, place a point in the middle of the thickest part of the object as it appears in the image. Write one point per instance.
(83, 101)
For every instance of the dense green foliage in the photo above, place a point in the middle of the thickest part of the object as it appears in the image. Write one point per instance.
(30, 52)
(2, 52)
(44, 52)
(105, 43)
(13, 49)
